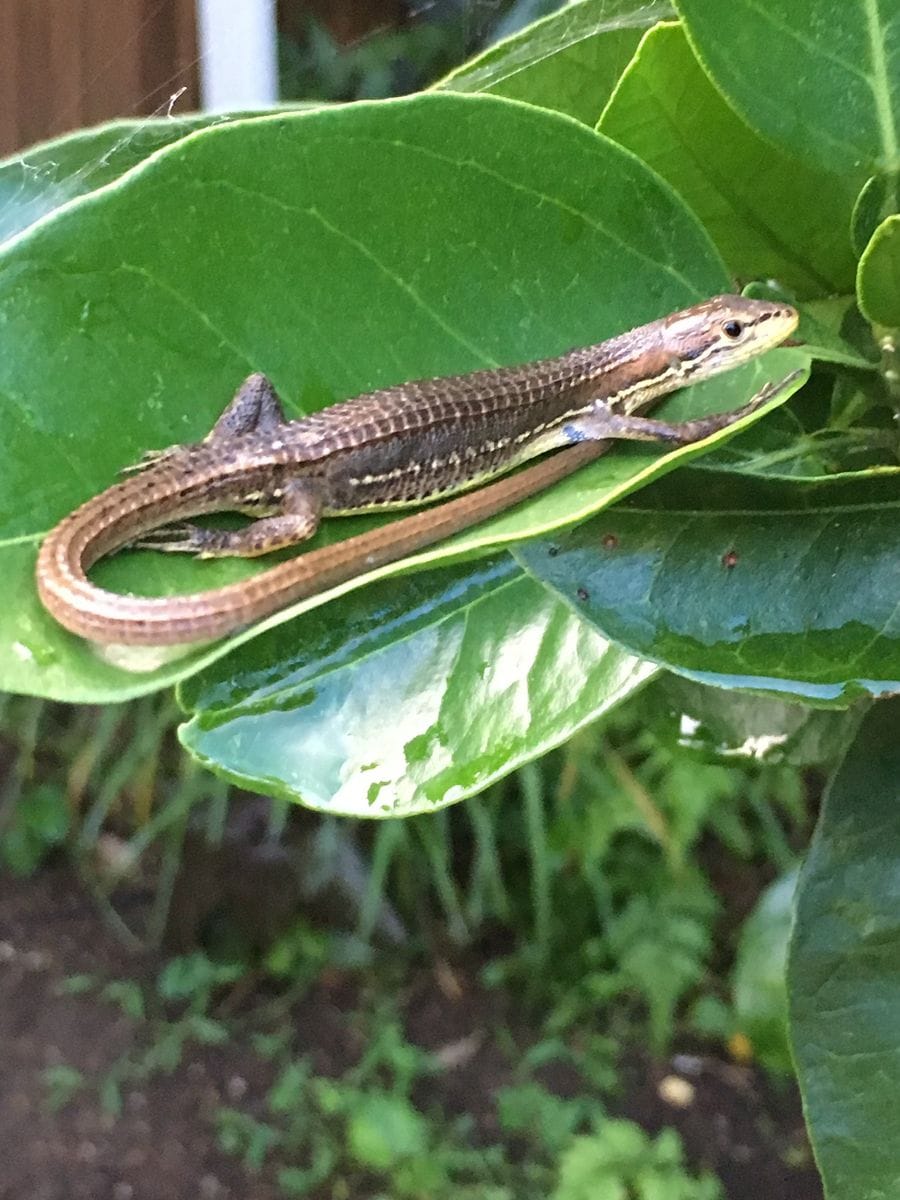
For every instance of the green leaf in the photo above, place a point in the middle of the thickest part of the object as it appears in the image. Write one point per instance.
(383, 1130)
(618, 1161)
(660, 946)
(130, 316)
(39, 821)
(736, 725)
(844, 969)
(128, 995)
(773, 585)
(413, 695)
(878, 280)
(550, 1121)
(820, 78)
(759, 984)
(61, 1083)
(192, 976)
(35, 183)
(769, 215)
(877, 200)
(830, 330)
(569, 61)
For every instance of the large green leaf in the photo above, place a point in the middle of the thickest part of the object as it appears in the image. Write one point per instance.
(496, 233)
(844, 970)
(745, 583)
(569, 61)
(820, 78)
(879, 275)
(406, 697)
(769, 215)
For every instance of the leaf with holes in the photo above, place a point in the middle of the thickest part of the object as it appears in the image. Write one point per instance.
(398, 701)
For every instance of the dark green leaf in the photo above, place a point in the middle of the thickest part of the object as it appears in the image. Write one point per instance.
(39, 821)
(830, 330)
(844, 969)
(769, 215)
(820, 78)
(740, 725)
(775, 586)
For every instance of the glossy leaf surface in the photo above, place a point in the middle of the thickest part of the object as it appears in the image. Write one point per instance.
(879, 275)
(784, 587)
(728, 726)
(878, 199)
(844, 969)
(393, 702)
(759, 981)
(37, 182)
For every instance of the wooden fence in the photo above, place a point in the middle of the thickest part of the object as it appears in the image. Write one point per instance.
(69, 63)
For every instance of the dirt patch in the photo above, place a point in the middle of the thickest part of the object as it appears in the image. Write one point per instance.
(162, 1144)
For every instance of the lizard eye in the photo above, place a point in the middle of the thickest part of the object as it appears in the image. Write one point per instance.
(733, 329)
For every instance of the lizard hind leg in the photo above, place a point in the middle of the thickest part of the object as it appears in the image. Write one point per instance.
(297, 520)
(254, 408)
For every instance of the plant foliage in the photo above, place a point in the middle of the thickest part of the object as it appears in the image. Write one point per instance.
(597, 169)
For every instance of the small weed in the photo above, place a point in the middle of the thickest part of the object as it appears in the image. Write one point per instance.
(39, 823)
(618, 1159)
(61, 1083)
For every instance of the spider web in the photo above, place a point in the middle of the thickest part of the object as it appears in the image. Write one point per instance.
(36, 181)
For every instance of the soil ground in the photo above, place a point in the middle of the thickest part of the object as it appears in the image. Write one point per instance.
(162, 1144)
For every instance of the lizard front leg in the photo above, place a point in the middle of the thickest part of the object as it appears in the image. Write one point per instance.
(254, 408)
(604, 422)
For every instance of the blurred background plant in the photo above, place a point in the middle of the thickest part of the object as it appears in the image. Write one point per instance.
(334, 51)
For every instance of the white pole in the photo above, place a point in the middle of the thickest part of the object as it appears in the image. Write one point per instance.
(238, 57)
